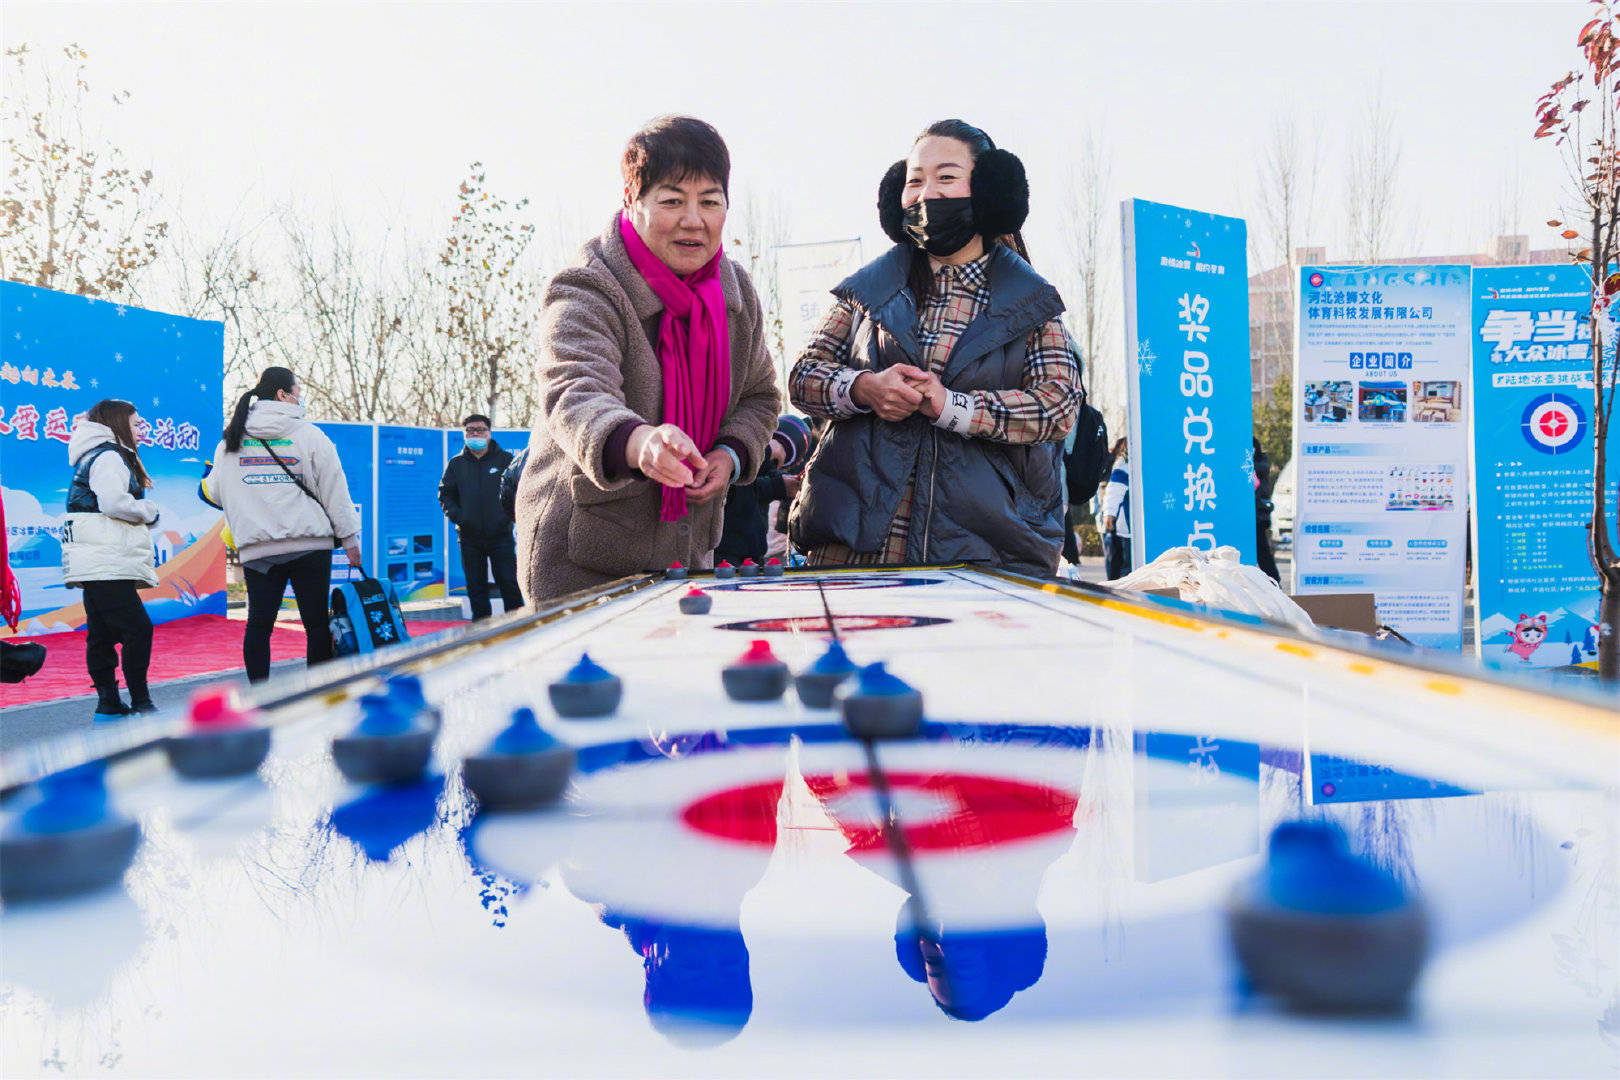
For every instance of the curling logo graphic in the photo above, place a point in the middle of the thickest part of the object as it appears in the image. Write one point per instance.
(1553, 423)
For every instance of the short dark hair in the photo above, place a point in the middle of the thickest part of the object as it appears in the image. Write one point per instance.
(477, 418)
(672, 148)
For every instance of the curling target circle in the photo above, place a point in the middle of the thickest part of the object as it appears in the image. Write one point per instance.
(1553, 423)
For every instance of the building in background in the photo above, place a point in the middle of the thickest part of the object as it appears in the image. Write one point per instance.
(1273, 292)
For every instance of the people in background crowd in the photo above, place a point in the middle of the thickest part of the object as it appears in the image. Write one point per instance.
(656, 391)
(470, 494)
(946, 377)
(1262, 513)
(279, 480)
(1116, 515)
(744, 534)
(107, 553)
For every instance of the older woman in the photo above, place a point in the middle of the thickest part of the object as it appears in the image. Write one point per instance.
(655, 387)
(945, 375)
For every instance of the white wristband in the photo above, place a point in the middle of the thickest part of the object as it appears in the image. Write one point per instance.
(844, 404)
(957, 413)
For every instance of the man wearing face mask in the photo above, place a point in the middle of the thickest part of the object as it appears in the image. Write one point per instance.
(470, 494)
(945, 376)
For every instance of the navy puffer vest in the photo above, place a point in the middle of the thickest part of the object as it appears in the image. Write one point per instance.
(82, 500)
(975, 500)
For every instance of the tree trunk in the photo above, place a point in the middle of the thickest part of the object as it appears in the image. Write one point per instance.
(1608, 619)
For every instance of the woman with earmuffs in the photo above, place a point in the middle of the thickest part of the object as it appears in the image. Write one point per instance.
(945, 376)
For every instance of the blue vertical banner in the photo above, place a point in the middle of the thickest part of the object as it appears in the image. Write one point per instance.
(512, 440)
(410, 526)
(1536, 594)
(1381, 441)
(357, 449)
(59, 355)
(1191, 418)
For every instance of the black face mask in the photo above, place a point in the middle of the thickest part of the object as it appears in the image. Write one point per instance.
(941, 227)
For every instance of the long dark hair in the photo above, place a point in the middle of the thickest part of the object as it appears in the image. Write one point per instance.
(115, 416)
(272, 382)
(921, 277)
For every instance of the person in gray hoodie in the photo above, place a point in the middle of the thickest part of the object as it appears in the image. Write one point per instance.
(107, 553)
(286, 500)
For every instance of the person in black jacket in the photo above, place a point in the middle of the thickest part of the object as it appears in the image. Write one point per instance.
(470, 494)
(742, 533)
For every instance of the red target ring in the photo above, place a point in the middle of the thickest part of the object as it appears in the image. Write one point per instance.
(939, 812)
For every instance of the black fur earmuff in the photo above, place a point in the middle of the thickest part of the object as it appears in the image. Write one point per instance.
(1000, 196)
(890, 215)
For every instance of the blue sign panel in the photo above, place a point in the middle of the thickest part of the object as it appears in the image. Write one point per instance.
(512, 440)
(356, 447)
(410, 526)
(1380, 438)
(59, 355)
(1536, 595)
(1192, 424)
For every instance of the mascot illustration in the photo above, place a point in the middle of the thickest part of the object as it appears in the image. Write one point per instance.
(1528, 634)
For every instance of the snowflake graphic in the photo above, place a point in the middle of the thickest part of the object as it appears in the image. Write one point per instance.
(1248, 466)
(1145, 357)
(1169, 501)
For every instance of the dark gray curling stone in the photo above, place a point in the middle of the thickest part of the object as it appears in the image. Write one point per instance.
(231, 751)
(42, 866)
(696, 602)
(756, 676)
(587, 690)
(523, 768)
(882, 706)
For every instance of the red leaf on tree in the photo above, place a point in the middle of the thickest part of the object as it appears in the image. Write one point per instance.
(1569, 234)
(1555, 224)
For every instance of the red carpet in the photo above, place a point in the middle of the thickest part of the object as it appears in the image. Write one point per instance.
(200, 645)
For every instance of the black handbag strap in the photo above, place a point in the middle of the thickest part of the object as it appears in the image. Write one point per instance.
(301, 487)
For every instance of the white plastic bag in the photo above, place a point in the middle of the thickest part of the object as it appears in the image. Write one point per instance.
(1218, 580)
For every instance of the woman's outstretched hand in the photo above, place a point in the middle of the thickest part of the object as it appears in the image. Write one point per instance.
(665, 454)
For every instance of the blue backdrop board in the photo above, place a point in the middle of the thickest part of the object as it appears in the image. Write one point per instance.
(59, 355)
(1191, 421)
(1380, 379)
(510, 439)
(410, 526)
(357, 449)
(1536, 595)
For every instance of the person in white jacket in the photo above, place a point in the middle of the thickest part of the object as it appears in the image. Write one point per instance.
(107, 552)
(1116, 514)
(286, 501)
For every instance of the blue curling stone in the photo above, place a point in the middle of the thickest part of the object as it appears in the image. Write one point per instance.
(882, 706)
(406, 690)
(390, 745)
(524, 767)
(587, 690)
(816, 683)
(1325, 930)
(67, 842)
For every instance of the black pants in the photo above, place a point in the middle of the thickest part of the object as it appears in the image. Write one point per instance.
(1116, 555)
(1071, 544)
(114, 615)
(1263, 556)
(482, 556)
(311, 577)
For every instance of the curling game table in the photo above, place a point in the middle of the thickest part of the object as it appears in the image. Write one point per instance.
(1037, 883)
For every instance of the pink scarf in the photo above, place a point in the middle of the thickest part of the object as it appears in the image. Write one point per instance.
(694, 349)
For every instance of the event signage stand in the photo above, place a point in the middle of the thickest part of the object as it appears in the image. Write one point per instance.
(1380, 437)
(1191, 417)
(1536, 595)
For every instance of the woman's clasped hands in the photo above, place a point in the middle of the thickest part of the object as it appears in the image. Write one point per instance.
(898, 391)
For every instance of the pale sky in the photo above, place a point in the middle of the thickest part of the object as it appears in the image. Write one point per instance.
(384, 105)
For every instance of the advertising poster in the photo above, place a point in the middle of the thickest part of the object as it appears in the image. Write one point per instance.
(512, 440)
(357, 449)
(806, 274)
(409, 523)
(59, 355)
(1381, 438)
(1191, 419)
(1536, 595)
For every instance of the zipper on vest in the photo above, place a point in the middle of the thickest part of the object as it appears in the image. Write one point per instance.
(933, 467)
